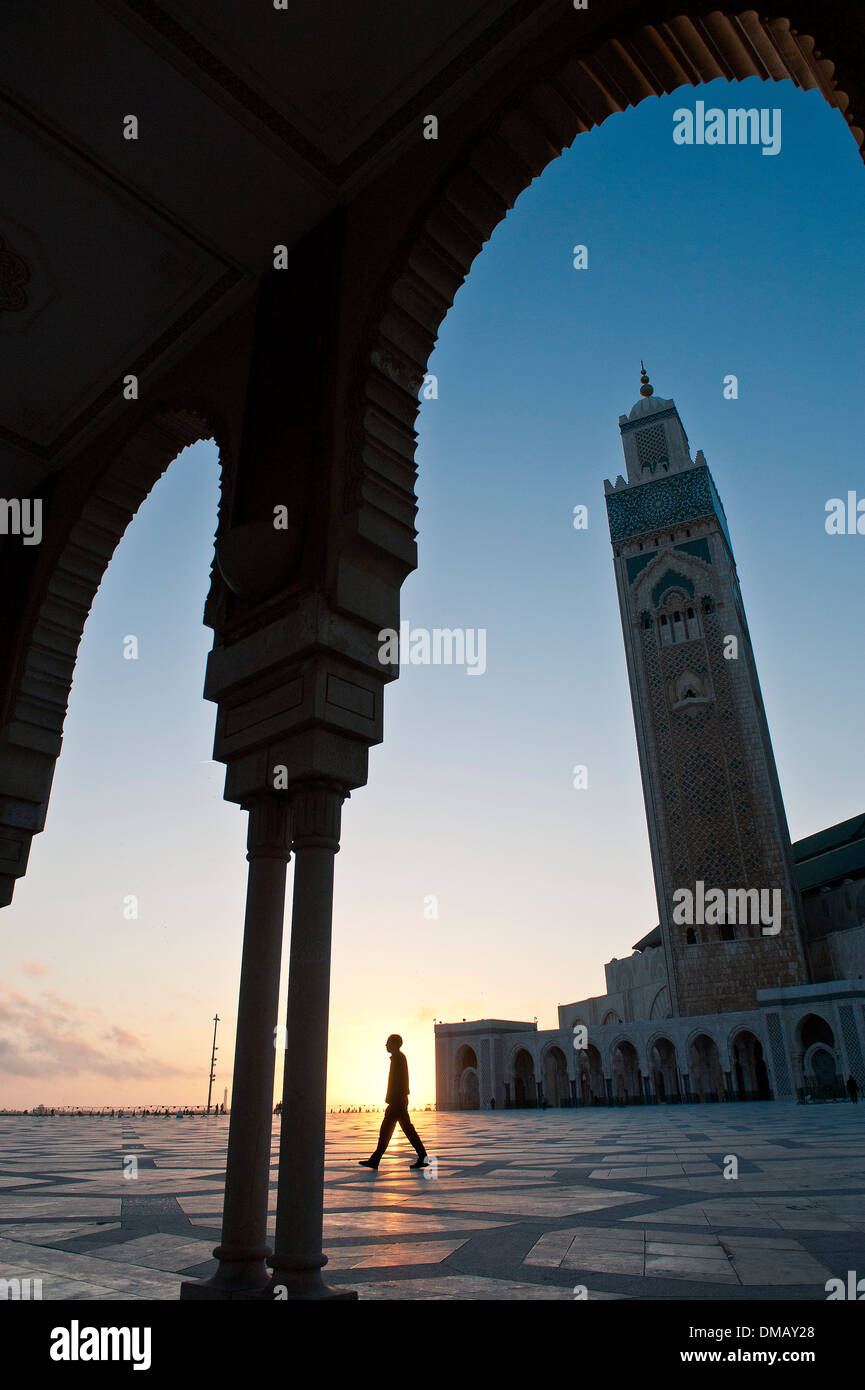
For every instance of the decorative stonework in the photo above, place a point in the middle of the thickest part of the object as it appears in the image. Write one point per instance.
(544, 118)
(269, 830)
(37, 693)
(317, 812)
(14, 275)
(664, 502)
(851, 1043)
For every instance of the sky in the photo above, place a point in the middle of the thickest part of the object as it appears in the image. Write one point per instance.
(704, 261)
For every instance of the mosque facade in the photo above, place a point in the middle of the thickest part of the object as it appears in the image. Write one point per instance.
(751, 985)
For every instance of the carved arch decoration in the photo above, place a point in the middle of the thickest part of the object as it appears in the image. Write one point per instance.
(31, 730)
(450, 231)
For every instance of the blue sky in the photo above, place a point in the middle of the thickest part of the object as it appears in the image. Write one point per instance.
(703, 261)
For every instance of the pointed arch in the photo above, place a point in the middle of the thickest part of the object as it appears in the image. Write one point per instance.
(484, 182)
(37, 696)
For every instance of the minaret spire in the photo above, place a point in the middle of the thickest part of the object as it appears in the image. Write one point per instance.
(645, 389)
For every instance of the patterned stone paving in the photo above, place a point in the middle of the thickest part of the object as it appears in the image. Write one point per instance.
(627, 1203)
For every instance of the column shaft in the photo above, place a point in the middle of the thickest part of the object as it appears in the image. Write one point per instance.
(243, 1248)
(298, 1258)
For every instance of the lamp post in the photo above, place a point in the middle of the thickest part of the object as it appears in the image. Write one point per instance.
(212, 1063)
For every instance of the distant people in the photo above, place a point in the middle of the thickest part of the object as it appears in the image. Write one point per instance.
(853, 1089)
(397, 1109)
(492, 1102)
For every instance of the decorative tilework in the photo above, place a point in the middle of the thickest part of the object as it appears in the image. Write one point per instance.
(851, 1043)
(783, 1085)
(664, 502)
(652, 447)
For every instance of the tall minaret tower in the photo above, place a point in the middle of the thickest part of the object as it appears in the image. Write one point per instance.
(713, 803)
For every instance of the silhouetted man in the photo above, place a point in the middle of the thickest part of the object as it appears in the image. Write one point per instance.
(853, 1089)
(397, 1109)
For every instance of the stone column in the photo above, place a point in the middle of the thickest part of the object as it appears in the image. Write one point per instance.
(298, 1259)
(243, 1249)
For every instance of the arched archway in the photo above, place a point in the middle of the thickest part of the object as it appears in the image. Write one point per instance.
(469, 1089)
(750, 1073)
(465, 1078)
(707, 1078)
(555, 1074)
(821, 1064)
(627, 1086)
(665, 1074)
(541, 119)
(590, 1076)
(45, 660)
(525, 1088)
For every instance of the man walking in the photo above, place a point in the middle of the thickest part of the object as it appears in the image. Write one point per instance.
(853, 1089)
(397, 1109)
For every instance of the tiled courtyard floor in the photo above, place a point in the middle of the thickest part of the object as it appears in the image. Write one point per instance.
(629, 1203)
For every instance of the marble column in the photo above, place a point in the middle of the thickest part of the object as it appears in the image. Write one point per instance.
(298, 1258)
(243, 1248)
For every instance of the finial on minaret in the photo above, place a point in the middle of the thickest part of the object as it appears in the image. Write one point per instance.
(645, 389)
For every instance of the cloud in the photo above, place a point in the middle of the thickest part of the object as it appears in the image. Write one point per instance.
(52, 1037)
(33, 967)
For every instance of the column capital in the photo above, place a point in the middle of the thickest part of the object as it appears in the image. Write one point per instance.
(316, 814)
(269, 831)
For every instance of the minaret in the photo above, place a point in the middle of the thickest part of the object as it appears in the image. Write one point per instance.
(713, 802)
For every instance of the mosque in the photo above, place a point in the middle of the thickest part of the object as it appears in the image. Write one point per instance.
(751, 985)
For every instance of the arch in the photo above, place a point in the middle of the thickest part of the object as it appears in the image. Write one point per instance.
(704, 1066)
(664, 1069)
(814, 1028)
(822, 1071)
(43, 665)
(590, 1076)
(466, 1057)
(469, 1091)
(525, 1086)
(610, 1017)
(625, 1072)
(554, 1070)
(749, 1072)
(541, 119)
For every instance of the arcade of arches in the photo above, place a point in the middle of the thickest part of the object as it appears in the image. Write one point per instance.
(671, 1066)
(283, 299)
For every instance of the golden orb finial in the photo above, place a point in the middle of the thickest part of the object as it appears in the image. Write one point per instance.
(645, 389)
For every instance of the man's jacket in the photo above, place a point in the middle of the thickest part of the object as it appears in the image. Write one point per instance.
(397, 1081)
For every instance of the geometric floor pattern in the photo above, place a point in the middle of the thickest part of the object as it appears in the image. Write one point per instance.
(604, 1204)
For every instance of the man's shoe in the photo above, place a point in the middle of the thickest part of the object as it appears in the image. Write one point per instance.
(422, 1162)
(368, 1163)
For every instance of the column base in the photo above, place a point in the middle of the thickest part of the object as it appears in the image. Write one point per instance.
(302, 1285)
(203, 1292)
(232, 1280)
